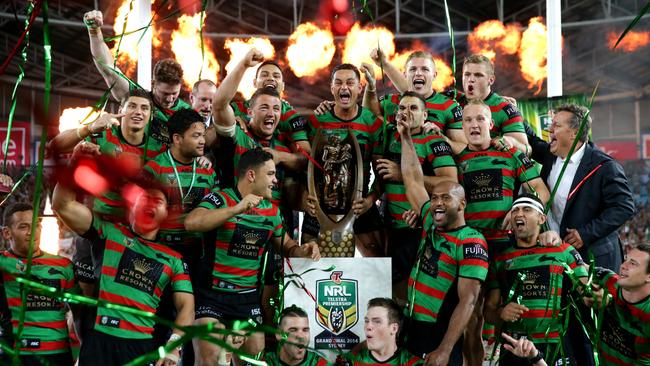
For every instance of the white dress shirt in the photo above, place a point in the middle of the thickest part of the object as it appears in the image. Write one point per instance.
(559, 201)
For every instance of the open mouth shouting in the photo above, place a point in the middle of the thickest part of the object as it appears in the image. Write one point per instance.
(470, 89)
(270, 84)
(345, 97)
(269, 122)
(419, 83)
(439, 214)
(520, 224)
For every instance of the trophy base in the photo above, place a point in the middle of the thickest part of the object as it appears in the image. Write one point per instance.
(336, 243)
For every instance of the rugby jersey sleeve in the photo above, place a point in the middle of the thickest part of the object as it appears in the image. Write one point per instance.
(574, 260)
(454, 117)
(513, 121)
(525, 167)
(213, 200)
(472, 256)
(293, 123)
(440, 154)
(180, 280)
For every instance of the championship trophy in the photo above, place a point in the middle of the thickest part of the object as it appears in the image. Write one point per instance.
(337, 181)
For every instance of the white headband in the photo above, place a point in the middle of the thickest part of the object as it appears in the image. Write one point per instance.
(528, 202)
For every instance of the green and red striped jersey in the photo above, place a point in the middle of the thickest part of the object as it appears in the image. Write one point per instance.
(489, 178)
(45, 328)
(433, 152)
(365, 126)
(244, 141)
(402, 357)
(291, 123)
(543, 290)
(240, 243)
(112, 143)
(444, 257)
(195, 183)
(311, 359)
(625, 332)
(506, 116)
(157, 128)
(442, 111)
(134, 273)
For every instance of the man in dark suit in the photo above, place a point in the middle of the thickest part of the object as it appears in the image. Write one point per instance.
(592, 201)
(593, 198)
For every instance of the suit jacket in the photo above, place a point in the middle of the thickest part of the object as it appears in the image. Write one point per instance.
(602, 200)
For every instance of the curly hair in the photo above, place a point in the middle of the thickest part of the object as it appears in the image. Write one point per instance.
(168, 71)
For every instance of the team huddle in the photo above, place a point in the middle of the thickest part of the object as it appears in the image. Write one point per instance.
(492, 232)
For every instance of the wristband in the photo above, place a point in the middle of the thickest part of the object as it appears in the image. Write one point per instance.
(79, 133)
(173, 338)
(537, 358)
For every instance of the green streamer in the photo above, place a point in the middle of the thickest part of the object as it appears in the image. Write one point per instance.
(21, 65)
(633, 23)
(583, 123)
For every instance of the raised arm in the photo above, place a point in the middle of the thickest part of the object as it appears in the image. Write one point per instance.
(102, 55)
(393, 73)
(223, 114)
(411, 169)
(67, 140)
(202, 219)
(370, 99)
(74, 214)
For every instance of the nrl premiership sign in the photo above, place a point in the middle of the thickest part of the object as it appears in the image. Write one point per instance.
(340, 297)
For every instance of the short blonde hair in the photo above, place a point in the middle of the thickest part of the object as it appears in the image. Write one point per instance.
(480, 103)
(480, 59)
(420, 54)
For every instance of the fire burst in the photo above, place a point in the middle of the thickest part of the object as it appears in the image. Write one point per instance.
(492, 35)
(238, 49)
(186, 46)
(71, 118)
(532, 54)
(310, 49)
(359, 42)
(633, 41)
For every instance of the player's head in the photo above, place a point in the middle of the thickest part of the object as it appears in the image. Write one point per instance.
(137, 109)
(257, 171)
(478, 76)
(383, 322)
(187, 132)
(201, 98)
(420, 72)
(345, 85)
(635, 271)
(167, 82)
(477, 122)
(17, 221)
(295, 323)
(448, 204)
(526, 216)
(412, 108)
(269, 75)
(565, 126)
(265, 111)
(149, 210)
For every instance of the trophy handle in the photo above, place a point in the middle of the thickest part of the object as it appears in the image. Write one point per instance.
(311, 186)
